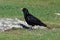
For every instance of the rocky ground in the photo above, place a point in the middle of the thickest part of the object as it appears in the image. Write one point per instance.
(9, 23)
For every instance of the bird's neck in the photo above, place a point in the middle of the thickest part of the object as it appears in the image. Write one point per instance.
(26, 14)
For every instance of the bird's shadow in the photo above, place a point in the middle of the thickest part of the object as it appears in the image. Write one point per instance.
(24, 26)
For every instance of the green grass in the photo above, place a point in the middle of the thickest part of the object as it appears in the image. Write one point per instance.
(23, 34)
(42, 9)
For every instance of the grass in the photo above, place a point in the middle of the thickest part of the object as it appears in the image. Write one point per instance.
(23, 34)
(42, 9)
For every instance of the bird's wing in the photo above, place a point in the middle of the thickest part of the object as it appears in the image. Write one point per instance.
(33, 19)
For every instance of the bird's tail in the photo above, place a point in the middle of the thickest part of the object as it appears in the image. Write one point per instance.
(42, 24)
(47, 26)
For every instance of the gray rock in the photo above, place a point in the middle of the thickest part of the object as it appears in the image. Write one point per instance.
(9, 23)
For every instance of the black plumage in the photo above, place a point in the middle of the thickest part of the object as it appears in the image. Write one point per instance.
(31, 20)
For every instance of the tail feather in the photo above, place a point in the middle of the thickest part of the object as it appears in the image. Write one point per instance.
(42, 24)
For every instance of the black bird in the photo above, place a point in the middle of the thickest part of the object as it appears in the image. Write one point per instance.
(31, 20)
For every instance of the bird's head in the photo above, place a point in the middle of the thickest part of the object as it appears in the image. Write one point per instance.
(25, 10)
